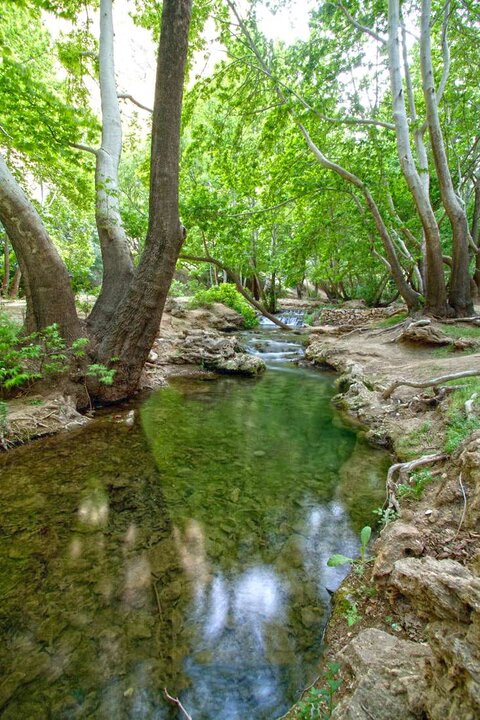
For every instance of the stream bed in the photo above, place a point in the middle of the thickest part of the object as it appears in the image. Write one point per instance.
(187, 552)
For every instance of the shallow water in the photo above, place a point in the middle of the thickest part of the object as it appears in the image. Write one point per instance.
(187, 552)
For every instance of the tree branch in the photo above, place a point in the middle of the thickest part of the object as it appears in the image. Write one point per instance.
(85, 148)
(126, 96)
(359, 26)
(428, 383)
(236, 278)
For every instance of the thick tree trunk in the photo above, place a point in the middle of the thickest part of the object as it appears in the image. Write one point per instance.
(435, 289)
(459, 294)
(136, 323)
(50, 297)
(116, 256)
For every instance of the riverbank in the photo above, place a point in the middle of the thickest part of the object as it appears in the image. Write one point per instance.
(191, 343)
(405, 633)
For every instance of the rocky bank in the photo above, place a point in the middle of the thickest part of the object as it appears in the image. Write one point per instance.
(414, 651)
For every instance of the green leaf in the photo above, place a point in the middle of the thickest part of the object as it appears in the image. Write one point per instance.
(365, 535)
(336, 560)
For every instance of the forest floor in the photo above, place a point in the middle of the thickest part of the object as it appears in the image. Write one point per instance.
(402, 630)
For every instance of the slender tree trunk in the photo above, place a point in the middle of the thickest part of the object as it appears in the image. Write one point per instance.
(136, 323)
(435, 289)
(116, 256)
(15, 286)
(6, 265)
(459, 294)
(50, 297)
(476, 233)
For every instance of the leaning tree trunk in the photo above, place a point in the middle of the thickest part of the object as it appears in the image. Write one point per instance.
(50, 297)
(459, 295)
(116, 256)
(435, 289)
(136, 323)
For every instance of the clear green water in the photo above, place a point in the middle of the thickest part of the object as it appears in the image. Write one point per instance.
(187, 552)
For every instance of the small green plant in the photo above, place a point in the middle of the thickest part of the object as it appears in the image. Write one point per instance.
(459, 427)
(352, 615)
(227, 294)
(318, 703)
(418, 482)
(359, 563)
(26, 358)
(103, 374)
(385, 515)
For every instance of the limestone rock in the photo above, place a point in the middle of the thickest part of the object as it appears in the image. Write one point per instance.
(453, 674)
(240, 363)
(398, 540)
(468, 460)
(388, 678)
(441, 589)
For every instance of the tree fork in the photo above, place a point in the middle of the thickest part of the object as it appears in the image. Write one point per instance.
(135, 325)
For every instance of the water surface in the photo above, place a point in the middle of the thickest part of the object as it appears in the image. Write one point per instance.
(187, 552)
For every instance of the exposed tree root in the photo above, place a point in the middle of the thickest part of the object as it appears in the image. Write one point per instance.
(403, 470)
(428, 383)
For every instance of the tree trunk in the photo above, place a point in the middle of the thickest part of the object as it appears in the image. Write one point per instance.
(476, 233)
(50, 297)
(459, 294)
(116, 256)
(15, 286)
(435, 290)
(136, 323)
(6, 265)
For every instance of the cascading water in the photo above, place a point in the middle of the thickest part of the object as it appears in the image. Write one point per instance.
(292, 318)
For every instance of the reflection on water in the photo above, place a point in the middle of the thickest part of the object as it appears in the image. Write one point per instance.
(188, 552)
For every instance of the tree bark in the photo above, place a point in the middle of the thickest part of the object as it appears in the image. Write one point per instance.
(50, 297)
(136, 323)
(435, 289)
(6, 265)
(15, 286)
(116, 256)
(476, 232)
(459, 294)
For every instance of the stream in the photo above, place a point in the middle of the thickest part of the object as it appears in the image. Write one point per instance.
(187, 552)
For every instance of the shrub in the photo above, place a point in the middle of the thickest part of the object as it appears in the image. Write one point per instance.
(227, 294)
(25, 358)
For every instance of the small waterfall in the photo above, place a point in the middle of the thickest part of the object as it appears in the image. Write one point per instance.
(292, 318)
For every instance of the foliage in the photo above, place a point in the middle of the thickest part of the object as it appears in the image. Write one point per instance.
(459, 427)
(227, 294)
(359, 563)
(352, 615)
(318, 703)
(418, 482)
(385, 515)
(26, 358)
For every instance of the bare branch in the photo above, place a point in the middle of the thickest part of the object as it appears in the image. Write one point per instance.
(126, 96)
(403, 469)
(359, 26)
(85, 148)
(177, 702)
